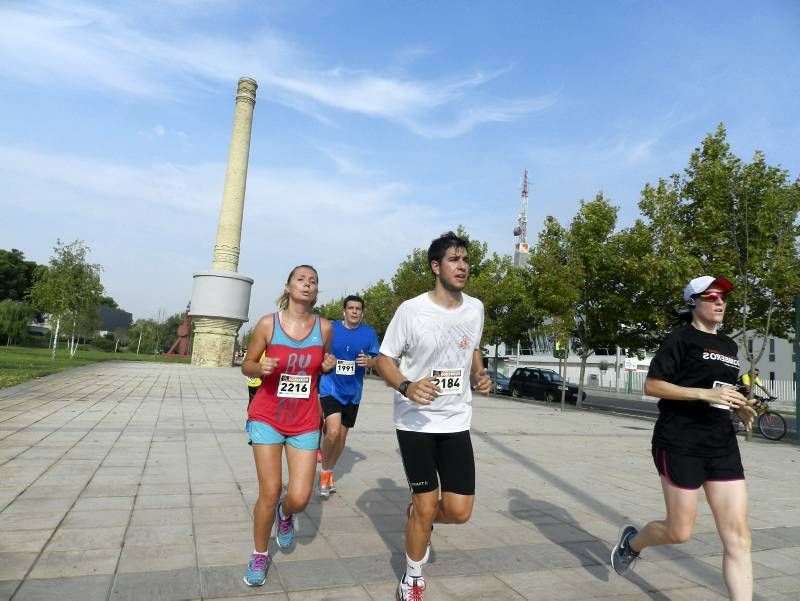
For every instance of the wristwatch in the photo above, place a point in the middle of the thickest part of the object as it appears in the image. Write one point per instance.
(403, 387)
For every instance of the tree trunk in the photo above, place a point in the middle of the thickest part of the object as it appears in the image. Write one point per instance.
(73, 343)
(55, 339)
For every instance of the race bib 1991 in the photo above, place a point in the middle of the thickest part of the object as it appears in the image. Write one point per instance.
(449, 381)
(345, 368)
(294, 386)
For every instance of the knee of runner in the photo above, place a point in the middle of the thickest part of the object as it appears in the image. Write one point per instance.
(678, 534)
(299, 499)
(736, 537)
(332, 432)
(460, 516)
(269, 495)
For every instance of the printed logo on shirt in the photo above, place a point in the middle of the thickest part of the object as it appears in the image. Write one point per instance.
(712, 355)
(463, 343)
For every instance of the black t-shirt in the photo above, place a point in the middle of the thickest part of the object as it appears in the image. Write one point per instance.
(689, 357)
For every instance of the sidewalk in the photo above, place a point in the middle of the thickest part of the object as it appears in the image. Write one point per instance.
(134, 482)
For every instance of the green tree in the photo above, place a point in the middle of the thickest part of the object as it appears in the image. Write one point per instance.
(506, 293)
(577, 274)
(14, 318)
(16, 274)
(379, 306)
(729, 218)
(413, 276)
(68, 288)
(331, 310)
(108, 302)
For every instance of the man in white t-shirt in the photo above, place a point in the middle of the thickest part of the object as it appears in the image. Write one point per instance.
(436, 339)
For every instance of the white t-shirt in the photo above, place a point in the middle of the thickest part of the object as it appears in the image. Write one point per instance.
(427, 338)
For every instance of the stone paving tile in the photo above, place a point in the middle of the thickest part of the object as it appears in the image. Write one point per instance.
(227, 581)
(7, 588)
(30, 521)
(313, 573)
(155, 517)
(376, 568)
(65, 564)
(79, 588)
(162, 501)
(96, 519)
(14, 566)
(304, 548)
(153, 558)
(219, 514)
(279, 596)
(779, 560)
(356, 544)
(19, 541)
(172, 585)
(78, 539)
(344, 593)
(169, 534)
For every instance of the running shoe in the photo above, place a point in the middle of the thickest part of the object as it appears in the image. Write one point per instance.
(331, 484)
(410, 591)
(427, 556)
(257, 570)
(622, 556)
(285, 528)
(325, 484)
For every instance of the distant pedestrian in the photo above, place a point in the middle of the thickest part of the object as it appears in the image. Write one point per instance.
(253, 384)
(436, 339)
(285, 413)
(694, 443)
(355, 345)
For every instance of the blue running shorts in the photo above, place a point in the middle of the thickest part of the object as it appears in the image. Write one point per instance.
(261, 433)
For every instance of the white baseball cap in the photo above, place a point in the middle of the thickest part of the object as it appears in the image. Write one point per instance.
(703, 283)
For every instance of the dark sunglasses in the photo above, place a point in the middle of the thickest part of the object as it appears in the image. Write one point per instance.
(712, 297)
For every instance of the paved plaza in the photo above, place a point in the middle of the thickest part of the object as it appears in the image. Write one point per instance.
(134, 482)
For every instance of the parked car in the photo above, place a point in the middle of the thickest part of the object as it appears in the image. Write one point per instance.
(499, 382)
(543, 384)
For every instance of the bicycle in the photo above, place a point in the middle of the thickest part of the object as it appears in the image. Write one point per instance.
(771, 425)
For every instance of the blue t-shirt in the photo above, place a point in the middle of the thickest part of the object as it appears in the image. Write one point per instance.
(345, 381)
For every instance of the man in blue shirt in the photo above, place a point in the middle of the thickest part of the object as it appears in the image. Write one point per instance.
(355, 346)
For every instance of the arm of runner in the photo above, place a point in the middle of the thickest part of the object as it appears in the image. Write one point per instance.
(365, 360)
(722, 395)
(253, 365)
(328, 360)
(422, 391)
(747, 415)
(479, 376)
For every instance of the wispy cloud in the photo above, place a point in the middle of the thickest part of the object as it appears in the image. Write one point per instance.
(81, 45)
(153, 210)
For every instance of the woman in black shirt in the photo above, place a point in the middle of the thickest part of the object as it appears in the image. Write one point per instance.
(694, 444)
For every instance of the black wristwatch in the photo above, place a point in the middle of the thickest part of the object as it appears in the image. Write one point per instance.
(403, 387)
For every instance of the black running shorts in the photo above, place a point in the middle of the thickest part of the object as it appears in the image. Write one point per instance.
(433, 459)
(690, 472)
(349, 412)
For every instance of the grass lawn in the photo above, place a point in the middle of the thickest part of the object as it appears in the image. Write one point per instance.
(20, 364)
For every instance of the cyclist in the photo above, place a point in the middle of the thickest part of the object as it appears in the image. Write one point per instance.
(745, 381)
(694, 373)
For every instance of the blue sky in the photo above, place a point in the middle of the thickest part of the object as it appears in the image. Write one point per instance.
(378, 125)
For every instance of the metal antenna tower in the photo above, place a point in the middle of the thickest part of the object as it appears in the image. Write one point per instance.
(521, 249)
